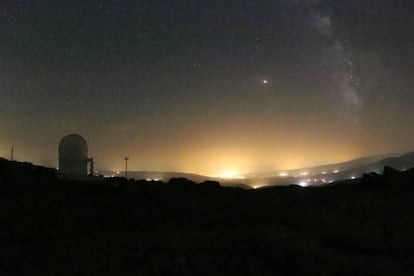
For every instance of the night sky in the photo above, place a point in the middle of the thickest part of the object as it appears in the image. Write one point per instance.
(206, 86)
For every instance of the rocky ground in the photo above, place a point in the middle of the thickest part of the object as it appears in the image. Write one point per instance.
(115, 227)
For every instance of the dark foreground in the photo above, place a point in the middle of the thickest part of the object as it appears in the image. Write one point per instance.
(51, 227)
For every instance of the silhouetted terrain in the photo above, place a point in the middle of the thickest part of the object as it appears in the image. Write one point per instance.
(119, 227)
(343, 166)
(318, 175)
(159, 175)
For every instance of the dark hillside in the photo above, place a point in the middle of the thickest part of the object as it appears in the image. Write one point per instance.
(119, 227)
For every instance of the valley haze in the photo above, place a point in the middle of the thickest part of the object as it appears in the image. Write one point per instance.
(310, 176)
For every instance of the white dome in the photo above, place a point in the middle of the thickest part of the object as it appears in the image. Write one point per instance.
(73, 146)
(73, 156)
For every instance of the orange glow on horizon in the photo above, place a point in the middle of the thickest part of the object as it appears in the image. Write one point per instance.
(229, 166)
(230, 175)
(228, 152)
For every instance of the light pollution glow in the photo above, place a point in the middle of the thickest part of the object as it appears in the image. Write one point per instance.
(239, 148)
(227, 164)
(296, 85)
(230, 153)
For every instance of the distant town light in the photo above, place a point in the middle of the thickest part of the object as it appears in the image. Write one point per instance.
(257, 186)
(231, 175)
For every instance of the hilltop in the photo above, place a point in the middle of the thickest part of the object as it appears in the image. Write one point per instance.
(119, 227)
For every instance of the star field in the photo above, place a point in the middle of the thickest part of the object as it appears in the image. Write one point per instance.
(207, 86)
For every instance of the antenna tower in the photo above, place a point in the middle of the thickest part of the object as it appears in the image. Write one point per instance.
(126, 166)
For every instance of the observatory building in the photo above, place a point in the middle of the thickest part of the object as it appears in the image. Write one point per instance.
(73, 157)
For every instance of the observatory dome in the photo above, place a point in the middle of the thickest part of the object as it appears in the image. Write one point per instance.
(73, 145)
(73, 155)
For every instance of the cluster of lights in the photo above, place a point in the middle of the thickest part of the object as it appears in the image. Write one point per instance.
(233, 175)
(257, 186)
(308, 182)
(305, 178)
(116, 173)
(303, 184)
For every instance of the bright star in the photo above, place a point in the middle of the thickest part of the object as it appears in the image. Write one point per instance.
(265, 82)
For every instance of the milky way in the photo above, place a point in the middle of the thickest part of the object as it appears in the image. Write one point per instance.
(207, 86)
